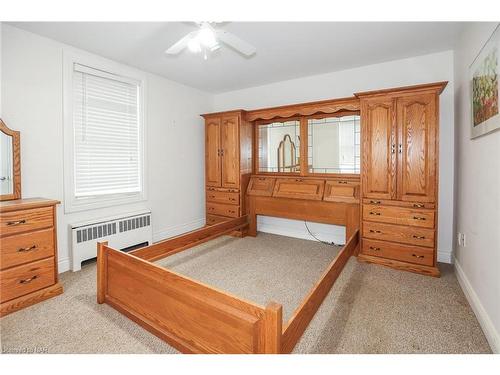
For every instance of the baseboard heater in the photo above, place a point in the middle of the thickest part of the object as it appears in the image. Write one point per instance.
(126, 232)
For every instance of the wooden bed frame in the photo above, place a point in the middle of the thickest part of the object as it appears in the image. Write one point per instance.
(197, 318)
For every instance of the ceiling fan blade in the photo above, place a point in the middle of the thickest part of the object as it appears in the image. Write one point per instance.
(180, 45)
(233, 41)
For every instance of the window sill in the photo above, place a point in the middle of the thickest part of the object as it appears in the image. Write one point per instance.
(77, 205)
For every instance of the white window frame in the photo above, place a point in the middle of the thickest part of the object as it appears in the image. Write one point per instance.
(71, 203)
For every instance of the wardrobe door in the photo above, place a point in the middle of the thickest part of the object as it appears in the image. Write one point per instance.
(378, 133)
(212, 152)
(229, 135)
(417, 133)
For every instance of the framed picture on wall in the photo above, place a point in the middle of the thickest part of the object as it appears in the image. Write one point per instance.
(484, 87)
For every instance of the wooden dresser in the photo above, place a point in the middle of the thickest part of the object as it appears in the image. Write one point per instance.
(228, 164)
(399, 177)
(28, 255)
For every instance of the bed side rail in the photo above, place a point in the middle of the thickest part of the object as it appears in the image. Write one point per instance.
(185, 241)
(191, 316)
(305, 312)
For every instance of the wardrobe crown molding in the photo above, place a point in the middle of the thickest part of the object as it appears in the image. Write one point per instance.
(328, 106)
(435, 86)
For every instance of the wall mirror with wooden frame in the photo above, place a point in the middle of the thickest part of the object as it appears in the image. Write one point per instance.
(279, 146)
(10, 165)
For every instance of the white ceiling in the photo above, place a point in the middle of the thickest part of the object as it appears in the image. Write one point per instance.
(285, 50)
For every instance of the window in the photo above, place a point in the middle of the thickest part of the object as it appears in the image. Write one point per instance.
(104, 129)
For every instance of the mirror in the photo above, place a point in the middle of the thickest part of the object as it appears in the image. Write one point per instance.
(10, 163)
(279, 147)
(333, 144)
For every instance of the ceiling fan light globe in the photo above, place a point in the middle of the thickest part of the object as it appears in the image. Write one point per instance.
(194, 45)
(207, 38)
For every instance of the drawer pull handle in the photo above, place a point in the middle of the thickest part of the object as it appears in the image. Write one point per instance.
(419, 218)
(374, 248)
(29, 280)
(18, 222)
(375, 231)
(375, 213)
(26, 249)
(419, 237)
(232, 199)
(342, 182)
(375, 202)
(417, 256)
(298, 180)
(418, 205)
(262, 178)
(232, 211)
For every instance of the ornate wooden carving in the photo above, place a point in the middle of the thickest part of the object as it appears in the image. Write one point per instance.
(304, 109)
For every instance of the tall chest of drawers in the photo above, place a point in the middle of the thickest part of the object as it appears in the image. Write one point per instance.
(399, 177)
(28, 255)
(228, 165)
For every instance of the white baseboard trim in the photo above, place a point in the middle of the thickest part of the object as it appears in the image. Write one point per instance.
(290, 232)
(445, 257)
(175, 230)
(482, 316)
(63, 265)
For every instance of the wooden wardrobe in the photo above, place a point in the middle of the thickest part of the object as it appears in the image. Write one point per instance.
(399, 177)
(228, 164)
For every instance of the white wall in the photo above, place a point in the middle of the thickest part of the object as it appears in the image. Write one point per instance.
(478, 196)
(0, 69)
(32, 103)
(415, 70)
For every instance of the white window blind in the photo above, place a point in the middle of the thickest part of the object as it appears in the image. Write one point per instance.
(106, 120)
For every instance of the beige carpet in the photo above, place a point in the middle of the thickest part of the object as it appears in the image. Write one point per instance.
(371, 309)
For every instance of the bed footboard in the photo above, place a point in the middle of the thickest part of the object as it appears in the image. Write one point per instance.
(191, 316)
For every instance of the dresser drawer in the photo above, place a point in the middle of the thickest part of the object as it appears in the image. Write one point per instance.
(213, 219)
(384, 202)
(227, 190)
(223, 197)
(223, 209)
(399, 215)
(404, 253)
(397, 233)
(21, 280)
(26, 220)
(28, 247)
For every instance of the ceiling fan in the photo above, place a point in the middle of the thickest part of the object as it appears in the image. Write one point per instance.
(207, 39)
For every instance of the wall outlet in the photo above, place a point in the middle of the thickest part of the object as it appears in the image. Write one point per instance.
(461, 239)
